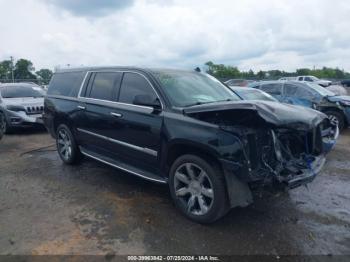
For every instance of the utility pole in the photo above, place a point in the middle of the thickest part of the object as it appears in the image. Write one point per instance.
(13, 78)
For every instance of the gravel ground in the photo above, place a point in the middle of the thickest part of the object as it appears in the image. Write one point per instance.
(49, 208)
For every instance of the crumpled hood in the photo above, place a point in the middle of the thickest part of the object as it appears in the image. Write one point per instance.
(274, 113)
(24, 101)
(339, 98)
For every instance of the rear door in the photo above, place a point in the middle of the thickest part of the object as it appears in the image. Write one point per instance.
(97, 123)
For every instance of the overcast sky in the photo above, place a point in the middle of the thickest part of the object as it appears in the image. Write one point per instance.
(256, 34)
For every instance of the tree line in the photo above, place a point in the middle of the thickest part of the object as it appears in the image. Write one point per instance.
(222, 71)
(23, 70)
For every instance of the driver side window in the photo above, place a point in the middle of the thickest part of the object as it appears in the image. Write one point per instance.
(304, 93)
(133, 85)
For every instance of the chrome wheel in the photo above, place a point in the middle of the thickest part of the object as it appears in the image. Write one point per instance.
(334, 120)
(194, 188)
(64, 144)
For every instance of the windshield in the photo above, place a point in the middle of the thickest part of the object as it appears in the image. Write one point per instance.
(321, 90)
(254, 94)
(192, 88)
(20, 91)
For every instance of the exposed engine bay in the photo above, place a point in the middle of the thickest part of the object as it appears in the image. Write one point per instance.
(281, 146)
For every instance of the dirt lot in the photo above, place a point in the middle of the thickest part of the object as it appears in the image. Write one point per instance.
(49, 208)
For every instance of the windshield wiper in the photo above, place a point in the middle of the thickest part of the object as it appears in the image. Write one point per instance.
(208, 102)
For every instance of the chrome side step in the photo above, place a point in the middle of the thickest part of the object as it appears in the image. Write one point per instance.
(113, 163)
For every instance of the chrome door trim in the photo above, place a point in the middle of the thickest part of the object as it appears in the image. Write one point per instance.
(122, 168)
(102, 102)
(142, 149)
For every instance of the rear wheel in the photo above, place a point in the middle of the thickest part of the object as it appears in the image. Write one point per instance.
(198, 188)
(336, 118)
(66, 145)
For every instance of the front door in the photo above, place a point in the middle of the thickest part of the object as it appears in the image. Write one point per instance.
(141, 125)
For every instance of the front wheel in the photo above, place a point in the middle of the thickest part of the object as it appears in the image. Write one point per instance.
(2, 125)
(66, 145)
(198, 188)
(336, 118)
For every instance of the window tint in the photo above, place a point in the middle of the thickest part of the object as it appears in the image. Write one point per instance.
(103, 85)
(309, 79)
(304, 93)
(272, 89)
(66, 84)
(133, 85)
(290, 90)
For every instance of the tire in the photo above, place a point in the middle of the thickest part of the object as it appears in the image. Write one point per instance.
(2, 125)
(337, 117)
(5, 125)
(203, 197)
(67, 147)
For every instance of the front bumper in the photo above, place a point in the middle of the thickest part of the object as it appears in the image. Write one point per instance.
(329, 138)
(307, 175)
(21, 119)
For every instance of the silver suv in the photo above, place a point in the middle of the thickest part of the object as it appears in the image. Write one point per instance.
(21, 105)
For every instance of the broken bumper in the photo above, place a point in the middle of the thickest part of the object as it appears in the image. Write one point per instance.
(307, 175)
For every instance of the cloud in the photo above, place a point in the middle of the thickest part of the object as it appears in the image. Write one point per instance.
(91, 8)
(270, 34)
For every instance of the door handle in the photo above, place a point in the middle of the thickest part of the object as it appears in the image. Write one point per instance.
(116, 114)
(81, 107)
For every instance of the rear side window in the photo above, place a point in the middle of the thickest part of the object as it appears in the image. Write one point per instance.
(66, 84)
(272, 89)
(104, 85)
(134, 84)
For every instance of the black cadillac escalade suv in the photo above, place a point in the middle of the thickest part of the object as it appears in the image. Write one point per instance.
(185, 129)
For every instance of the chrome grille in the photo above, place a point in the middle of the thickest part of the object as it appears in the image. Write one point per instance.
(32, 110)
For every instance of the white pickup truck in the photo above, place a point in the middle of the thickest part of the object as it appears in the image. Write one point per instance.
(314, 79)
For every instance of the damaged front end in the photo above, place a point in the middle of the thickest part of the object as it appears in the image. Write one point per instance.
(284, 158)
(283, 145)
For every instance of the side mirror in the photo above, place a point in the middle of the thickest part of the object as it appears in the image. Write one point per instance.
(146, 100)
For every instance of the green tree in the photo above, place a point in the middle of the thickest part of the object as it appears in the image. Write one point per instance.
(5, 69)
(24, 70)
(44, 75)
(303, 71)
(261, 74)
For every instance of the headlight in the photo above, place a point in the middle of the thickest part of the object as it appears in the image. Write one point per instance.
(345, 103)
(15, 108)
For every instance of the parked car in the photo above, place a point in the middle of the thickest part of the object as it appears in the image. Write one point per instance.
(21, 105)
(310, 95)
(257, 94)
(238, 82)
(252, 94)
(345, 82)
(337, 90)
(315, 80)
(185, 129)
